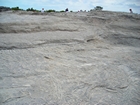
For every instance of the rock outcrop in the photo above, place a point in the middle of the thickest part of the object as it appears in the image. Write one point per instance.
(80, 58)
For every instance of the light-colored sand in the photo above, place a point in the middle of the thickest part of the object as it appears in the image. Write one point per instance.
(69, 58)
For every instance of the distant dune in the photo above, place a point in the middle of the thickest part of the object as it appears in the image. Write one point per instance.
(73, 58)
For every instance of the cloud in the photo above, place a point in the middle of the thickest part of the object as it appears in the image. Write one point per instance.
(79, 4)
(136, 3)
(115, 5)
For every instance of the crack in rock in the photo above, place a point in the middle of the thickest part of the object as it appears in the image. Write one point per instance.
(27, 46)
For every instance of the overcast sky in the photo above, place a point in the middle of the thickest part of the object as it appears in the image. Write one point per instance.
(75, 5)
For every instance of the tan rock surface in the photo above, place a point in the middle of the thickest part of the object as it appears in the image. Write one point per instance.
(69, 58)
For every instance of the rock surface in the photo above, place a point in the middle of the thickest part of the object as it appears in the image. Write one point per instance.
(69, 58)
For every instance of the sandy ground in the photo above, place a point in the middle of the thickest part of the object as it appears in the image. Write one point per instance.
(69, 58)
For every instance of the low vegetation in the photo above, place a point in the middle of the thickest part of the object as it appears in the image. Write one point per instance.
(16, 8)
(98, 8)
(50, 10)
(31, 9)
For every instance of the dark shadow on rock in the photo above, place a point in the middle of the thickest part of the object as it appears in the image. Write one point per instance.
(120, 39)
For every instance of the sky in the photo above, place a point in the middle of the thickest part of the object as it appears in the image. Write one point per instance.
(75, 5)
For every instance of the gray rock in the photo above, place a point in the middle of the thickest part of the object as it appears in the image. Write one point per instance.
(69, 59)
